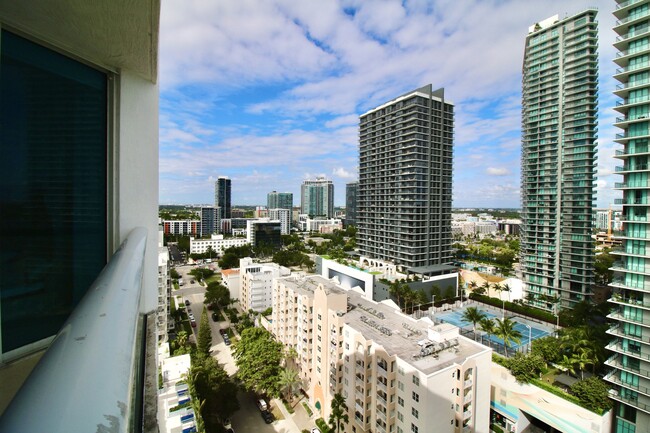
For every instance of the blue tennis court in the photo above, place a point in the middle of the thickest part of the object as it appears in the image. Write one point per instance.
(455, 317)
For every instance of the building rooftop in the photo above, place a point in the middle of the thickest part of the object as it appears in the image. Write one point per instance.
(427, 347)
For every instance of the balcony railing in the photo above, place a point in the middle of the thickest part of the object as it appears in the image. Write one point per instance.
(90, 377)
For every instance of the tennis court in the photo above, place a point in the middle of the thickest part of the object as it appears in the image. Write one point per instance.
(455, 317)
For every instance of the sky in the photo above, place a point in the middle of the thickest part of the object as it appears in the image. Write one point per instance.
(269, 92)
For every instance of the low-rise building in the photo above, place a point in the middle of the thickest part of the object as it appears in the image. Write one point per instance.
(264, 231)
(230, 279)
(396, 373)
(181, 227)
(218, 243)
(256, 283)
(174, 393)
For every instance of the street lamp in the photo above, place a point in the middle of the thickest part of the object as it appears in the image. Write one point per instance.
(503, 309)
(530, 337)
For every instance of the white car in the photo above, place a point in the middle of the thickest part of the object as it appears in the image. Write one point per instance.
(191, 316)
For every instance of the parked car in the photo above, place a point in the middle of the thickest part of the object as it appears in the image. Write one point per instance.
(267, 416)
(191, 281)
(227, 424)
(226, 339)
(230, 430)
(215, 317)
(190, 315)
(222, 331)
(193, 323)
(261, 404)
(187, 303)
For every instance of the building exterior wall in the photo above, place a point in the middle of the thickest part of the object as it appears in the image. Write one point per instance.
(210, 221)
(559, 131)
(317, 198)
(631, 284)
(404, 195)
(217, 242)
(284, 216)
(351, 203)
(223, 197)
(182, 227)
(256, 283)
(279, 200)
(388, 383)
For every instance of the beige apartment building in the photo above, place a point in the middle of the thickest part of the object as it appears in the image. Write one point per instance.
(397, 374)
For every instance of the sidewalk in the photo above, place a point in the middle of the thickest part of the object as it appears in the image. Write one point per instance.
(299, 419)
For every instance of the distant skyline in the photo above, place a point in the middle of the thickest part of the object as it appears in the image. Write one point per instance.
(269, 93)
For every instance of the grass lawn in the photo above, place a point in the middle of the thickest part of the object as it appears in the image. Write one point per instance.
(176, 286)
(215, 277)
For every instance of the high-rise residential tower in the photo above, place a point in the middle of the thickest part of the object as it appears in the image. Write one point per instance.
(631, 285)
(559, 124)
(404, 196)
(279, 200)
(351, 203)
(222, 194)
(317, 198)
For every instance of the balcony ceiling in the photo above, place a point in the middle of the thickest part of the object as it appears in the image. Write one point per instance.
(114, 34)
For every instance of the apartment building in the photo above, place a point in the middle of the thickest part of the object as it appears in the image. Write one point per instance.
(559, 131)
(397, 374)
(210, 221)
(284, 216)
(317, 198)
(405, 174)
(351, 203)
(631, 285)
(256, 283)
(223, 197)
(182, 227)
(279, 200)
(164, 289)
(264, 231)
(217, 242)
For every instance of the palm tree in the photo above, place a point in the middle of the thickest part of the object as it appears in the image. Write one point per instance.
(506, 288)
(409, 297)
(339, 412)
(487, 326)
(472, 285)
(289, 382)
(486, 286)
(397, 289)
(505, 329)
(497, 288)
(290, 355)
(582, 359)
(473, 315)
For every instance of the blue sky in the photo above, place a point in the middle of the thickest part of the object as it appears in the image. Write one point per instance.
(269, 92)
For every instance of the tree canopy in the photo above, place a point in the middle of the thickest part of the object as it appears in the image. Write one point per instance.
(217, 293)
(258, 358)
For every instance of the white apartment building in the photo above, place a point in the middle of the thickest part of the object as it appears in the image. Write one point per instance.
(230, 279)
(315, 224)
(173, 393)
(397, 374)
(284, 216)
(217, 242)
(256, 283)
(164, 289)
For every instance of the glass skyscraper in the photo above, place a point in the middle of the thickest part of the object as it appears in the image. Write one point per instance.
(222, 197)
(559, 126)
(631, 285)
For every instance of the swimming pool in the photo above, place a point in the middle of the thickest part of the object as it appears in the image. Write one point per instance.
(455, 317)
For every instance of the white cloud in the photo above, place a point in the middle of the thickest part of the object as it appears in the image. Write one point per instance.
(343, 173)
(497, 171)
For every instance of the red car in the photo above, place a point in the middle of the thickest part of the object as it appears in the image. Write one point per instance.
(193, 323)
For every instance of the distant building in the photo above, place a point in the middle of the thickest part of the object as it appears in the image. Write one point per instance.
(218, 243)
(284, 216)
(182, 227)
(261, 212)
(317, 198)
(405, 174)
(222, 197)
(264, 232)
(351, 203)
(279, 200)
(210, 221)
(256, 283)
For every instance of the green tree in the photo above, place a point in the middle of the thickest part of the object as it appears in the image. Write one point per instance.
(593, 393)
(173, 273)
(549, 348)
(214, 389)
(526, 367)
(339, 412)
(217, 294)
(181, 344)
(603, 262)
(202, 273)
(473, 315)
(397, 289)
(204, 338)
(229, 261)
(487, 325)
(289, 382)
(258, 357)
(507, 332)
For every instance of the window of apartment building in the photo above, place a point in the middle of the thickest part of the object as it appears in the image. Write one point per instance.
(415, 412)
(399, 430)
(416, 380)
(414, 428)
(400, 370)
(400, 401)
(400, 385)
(400, 416)
(416, 396)
(319, 318)
(53, 205)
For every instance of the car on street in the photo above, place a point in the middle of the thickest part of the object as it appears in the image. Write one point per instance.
(187, 302)
(226, 339)
(190, 315)
(191, 281)
(222, 331)
(215, 317)
(193, 323)
(267, 416)
(314, 430)
(261, 404)
(227, 423)
(230, 430)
